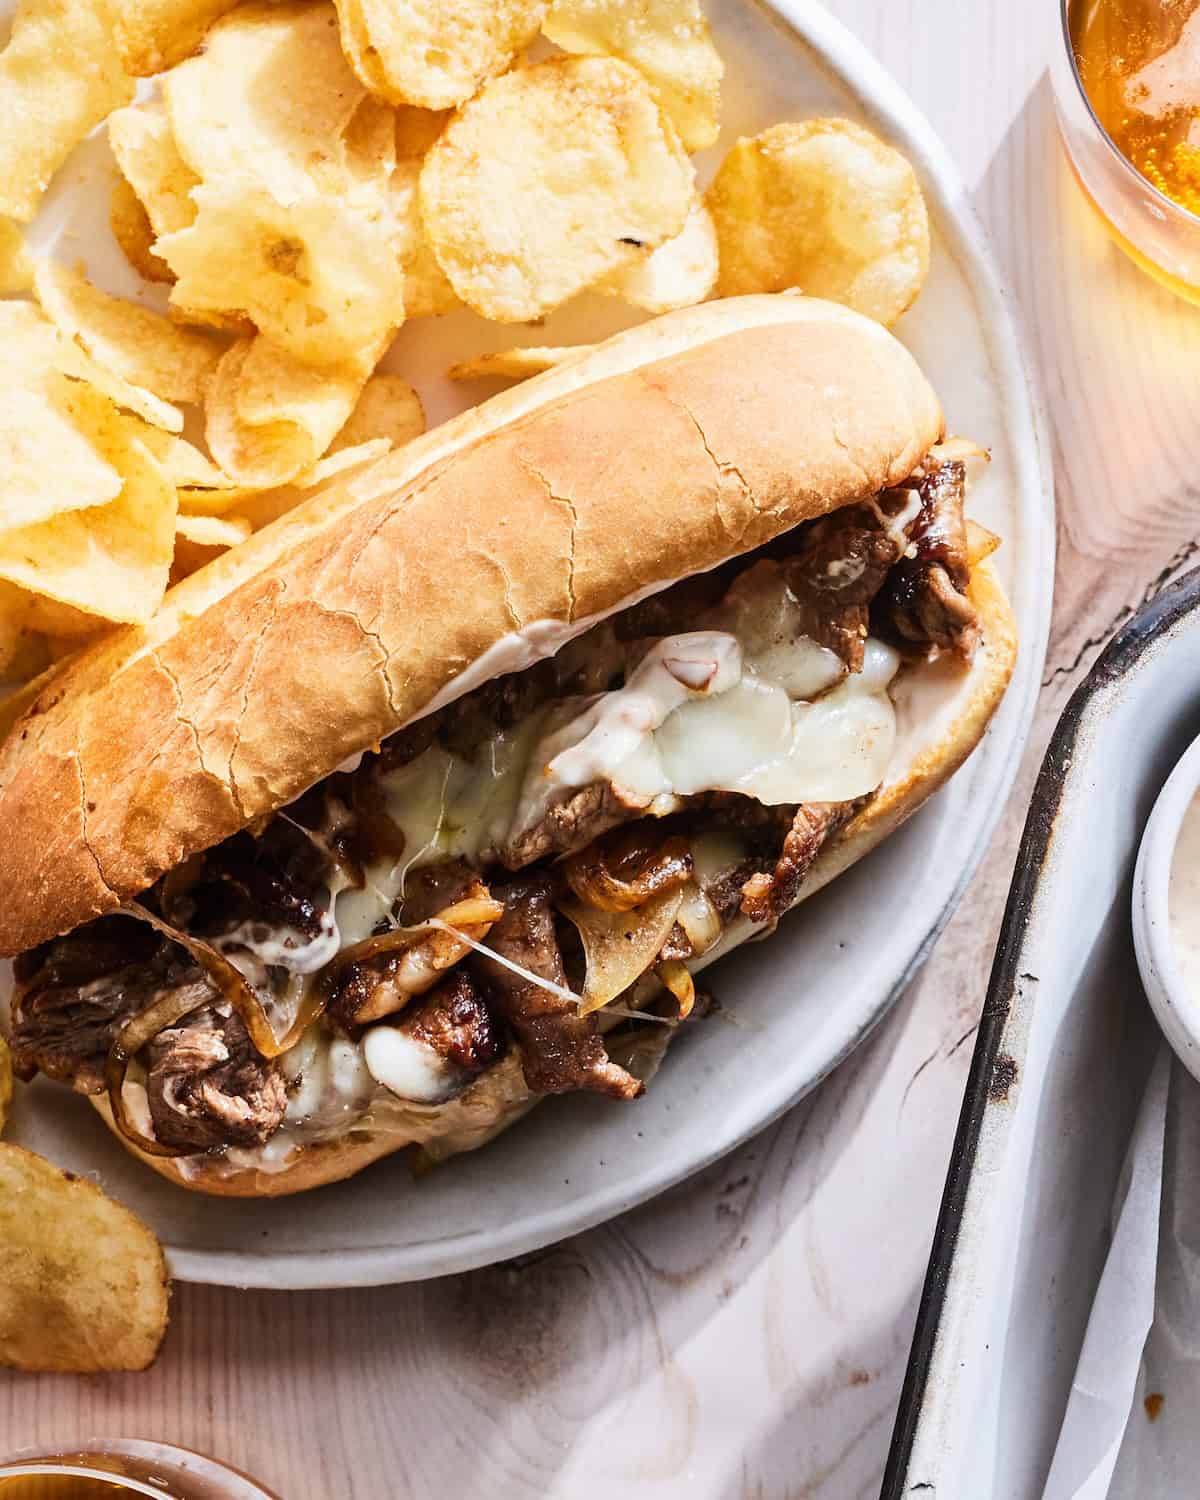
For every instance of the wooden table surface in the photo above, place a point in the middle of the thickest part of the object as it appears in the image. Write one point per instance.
(746, 1335)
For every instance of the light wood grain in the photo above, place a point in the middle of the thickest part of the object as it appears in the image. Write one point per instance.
(746, 1335)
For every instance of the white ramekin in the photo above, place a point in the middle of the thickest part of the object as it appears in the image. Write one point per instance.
(1175, 1007)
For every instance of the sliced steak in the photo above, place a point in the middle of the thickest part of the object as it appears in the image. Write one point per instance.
(924, 602)
(367, 989)
(207, 1086)
(561, 1050)
(571, 824)
(768, 894)
(75, 993)
(840, 567)
(454, 1022)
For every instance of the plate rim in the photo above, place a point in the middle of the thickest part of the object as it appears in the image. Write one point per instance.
(878, 95)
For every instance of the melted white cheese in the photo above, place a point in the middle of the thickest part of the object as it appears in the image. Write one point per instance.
(748, 705)
(409, 1068)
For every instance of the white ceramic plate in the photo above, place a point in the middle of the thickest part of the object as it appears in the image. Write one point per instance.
(793, 1007)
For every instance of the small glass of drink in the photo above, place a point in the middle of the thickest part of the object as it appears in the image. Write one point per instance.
(1127, 92)
(121, 1470)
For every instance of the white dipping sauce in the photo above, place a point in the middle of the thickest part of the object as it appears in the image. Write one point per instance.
(1183, 898)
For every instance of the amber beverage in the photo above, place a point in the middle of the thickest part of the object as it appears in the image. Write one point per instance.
(124, 1470)
(1127, 91)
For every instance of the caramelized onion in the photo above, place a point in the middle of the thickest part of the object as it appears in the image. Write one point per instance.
(475, 911)
(231, 985)
(620, 946)
(679, 981)
(624, 869)
(133, 1036)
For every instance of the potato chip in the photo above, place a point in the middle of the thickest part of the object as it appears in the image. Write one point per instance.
(668, 40)
(48, 463)
(590, 175)
(320, 277)
(59, 77)
(269, 415)
(826, 207)
(144, 145)
(417, 129)
(387, 407)
(198, 500)
(515, 364)
(153, 35)
(267, 100)
(261, 507)
(14, 630)
(427, 291)
(678, 274)
(77, 363)
(6, 1083)
(64, 620)
(429, 53)
(182, 462)
(109, 560)
(337, 463)
(83, 1283)
(29, 341)
(133, 232)
(132, 341)
(16, 264)
(213, 531)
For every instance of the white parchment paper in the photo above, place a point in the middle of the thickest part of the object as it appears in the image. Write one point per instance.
(1132, 1425)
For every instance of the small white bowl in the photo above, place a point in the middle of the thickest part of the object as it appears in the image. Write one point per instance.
(1175, 1006)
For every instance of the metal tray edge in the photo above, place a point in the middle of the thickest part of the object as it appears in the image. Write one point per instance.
(1124, 650)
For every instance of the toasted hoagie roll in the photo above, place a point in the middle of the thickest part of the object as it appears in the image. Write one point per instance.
(431, 798)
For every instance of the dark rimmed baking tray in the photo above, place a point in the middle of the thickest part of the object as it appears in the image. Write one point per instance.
(1064, 1045)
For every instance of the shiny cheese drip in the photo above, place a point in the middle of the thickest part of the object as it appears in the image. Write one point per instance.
(749, 705)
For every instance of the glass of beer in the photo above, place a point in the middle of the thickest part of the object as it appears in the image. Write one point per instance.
(1127, 92)
(122, 1470)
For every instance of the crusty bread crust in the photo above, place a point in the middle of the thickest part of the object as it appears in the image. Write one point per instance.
(669, 448)
(972, 698)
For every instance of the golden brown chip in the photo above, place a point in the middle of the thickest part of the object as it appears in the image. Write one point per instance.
(48, 460)
(16, 264)
(267, 100)
(427, 291)
(826, 207)
(269, 415)
(144, 146)
(133, 232)
(110, 560)
(417, 129)
(76, 362)
(6, 1070)
(432, 54)
(668, 40)
(212, 531)
(678, 274)
(337, 463)
(387, 407)
(319, 276)
(590, 176)
(83, 1283)
(182, 462)
(53, 618)
(59, 77)
(152, 35)
(15, 629)
(29, 342)
(515, 364)
(141, 346)
(201, 501)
